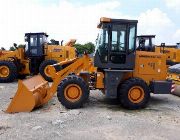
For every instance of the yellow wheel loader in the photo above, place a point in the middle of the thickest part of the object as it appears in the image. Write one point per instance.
(172, 53)
(118, 70)
(34, 58)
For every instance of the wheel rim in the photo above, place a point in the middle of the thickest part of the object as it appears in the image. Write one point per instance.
(136, 94)
(47, 71)
(4, 71)
(73, 92)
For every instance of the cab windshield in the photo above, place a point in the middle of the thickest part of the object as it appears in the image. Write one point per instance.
(112, 42)
(102, 44)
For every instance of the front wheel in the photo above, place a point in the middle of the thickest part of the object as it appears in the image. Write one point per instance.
(134, 94)
(8, 71)
(73, 92)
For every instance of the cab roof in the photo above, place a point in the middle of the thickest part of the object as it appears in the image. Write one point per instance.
(38, 33)
(146, 36)
(110, 20)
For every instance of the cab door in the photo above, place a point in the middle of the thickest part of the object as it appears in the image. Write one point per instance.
(35, 46)
(117, 53)
(122, 46)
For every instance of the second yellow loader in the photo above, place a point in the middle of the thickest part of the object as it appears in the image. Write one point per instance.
(34, 58)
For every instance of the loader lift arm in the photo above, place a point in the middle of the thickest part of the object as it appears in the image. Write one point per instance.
(78, 65)
(35, 92)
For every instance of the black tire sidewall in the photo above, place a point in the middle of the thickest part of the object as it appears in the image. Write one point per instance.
(124, 89)
(12, 71)
(73, 79)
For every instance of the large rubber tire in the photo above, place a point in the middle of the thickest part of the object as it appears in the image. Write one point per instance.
(134, 93)
(42, 67)
(64, 89)
(12, 72)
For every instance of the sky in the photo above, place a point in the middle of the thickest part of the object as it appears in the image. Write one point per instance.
(72, 19)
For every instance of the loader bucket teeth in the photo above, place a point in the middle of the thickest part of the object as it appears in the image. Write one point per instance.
(30, 94)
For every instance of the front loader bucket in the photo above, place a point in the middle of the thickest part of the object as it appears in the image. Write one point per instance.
(30, 94)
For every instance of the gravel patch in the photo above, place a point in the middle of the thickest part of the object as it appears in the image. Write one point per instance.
(98, 119)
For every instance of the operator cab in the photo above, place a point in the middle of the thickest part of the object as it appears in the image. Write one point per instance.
(146, 43)
(34, 50)
(116, 44)
(35, 44)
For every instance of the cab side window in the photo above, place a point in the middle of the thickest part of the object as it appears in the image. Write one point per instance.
(103, 46)
(33, 40)
(132, 39)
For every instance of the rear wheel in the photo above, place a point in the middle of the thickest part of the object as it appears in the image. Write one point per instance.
(8, 71)
(44, 71)
(73, 92)
(134, 94)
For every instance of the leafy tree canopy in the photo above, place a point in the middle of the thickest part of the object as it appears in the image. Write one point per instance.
(13, 48)
(88, 47)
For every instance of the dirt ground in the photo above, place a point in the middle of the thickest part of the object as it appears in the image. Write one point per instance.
(98, 119)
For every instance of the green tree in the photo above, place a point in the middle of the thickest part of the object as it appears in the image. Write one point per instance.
(79, 48)
(21, 46)
(88, 47)
(15, 46)
(12, 48)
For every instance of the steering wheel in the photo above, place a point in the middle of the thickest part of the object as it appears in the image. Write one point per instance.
(121, 44)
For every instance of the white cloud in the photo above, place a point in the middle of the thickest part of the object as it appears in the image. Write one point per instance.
(157, 23)
(176, 36)
(62, 21)
(174, 4)
(66, 20)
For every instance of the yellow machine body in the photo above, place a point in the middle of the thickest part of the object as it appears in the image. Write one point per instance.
(150, 66)
(3, 52)
(60, 53)
(19, 55)
(172, 53)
